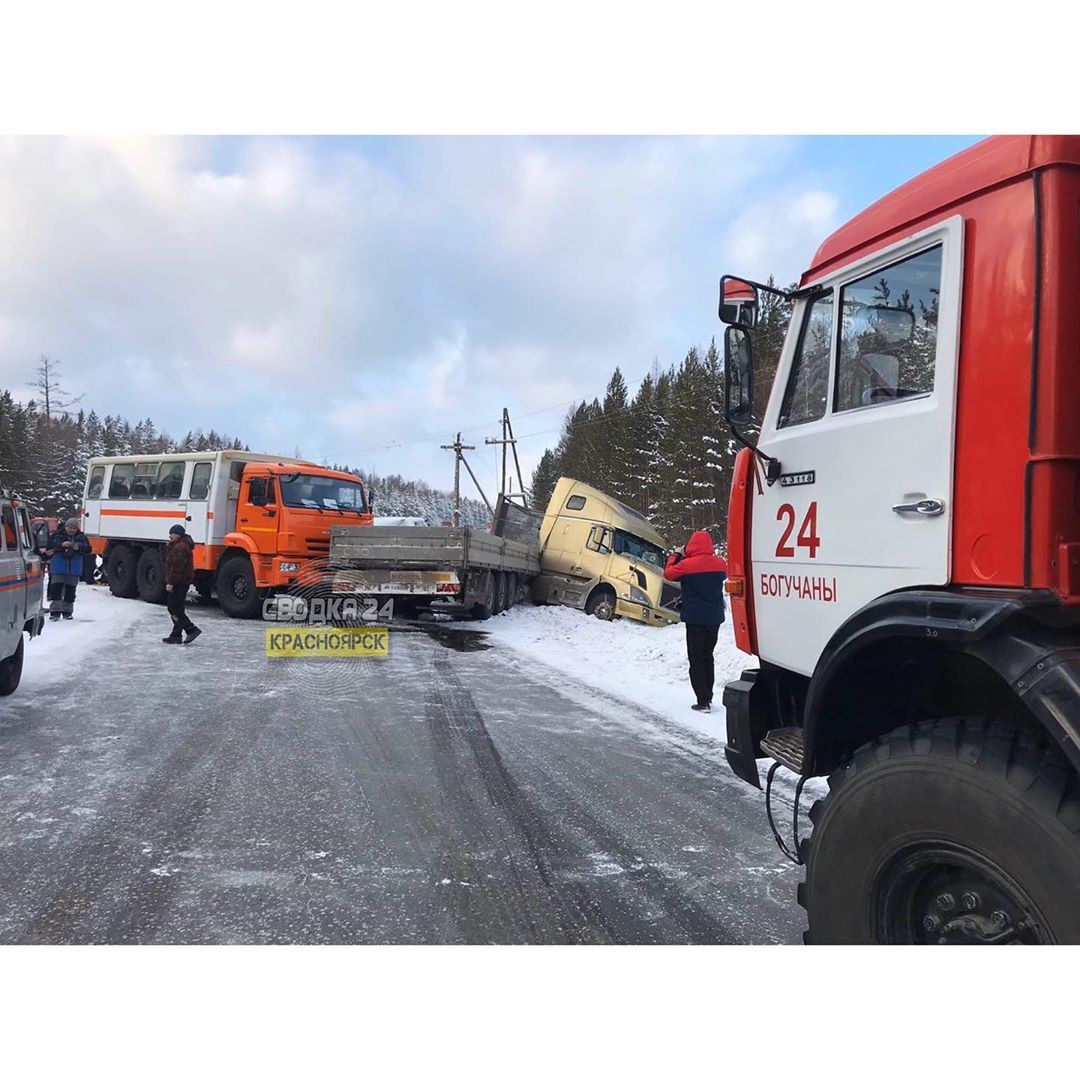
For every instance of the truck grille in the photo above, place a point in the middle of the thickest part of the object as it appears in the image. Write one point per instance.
(670, 596)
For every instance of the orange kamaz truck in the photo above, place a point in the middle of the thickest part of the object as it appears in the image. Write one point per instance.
(258, 521)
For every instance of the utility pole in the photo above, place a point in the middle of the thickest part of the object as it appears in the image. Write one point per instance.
(457, 446)
(508, 440)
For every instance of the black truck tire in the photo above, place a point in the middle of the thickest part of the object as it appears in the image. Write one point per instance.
(204, 584)
(499, 584)
(11, 670)
(511, 589)
(957, 831)
(486, 605)
(237, 594)
(120, 570)
(601, 603)
(150, 576)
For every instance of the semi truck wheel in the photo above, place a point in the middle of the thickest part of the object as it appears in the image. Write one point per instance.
(601, 603)
(120, 569)
(959, 831)
(150, 576)
(11, 670)
(237, 594)
(486, 605)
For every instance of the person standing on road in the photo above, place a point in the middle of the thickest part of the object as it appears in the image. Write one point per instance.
(68, 546)
(179, 574)
(702, 573)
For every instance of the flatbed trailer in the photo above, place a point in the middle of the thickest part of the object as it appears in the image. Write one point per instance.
(458, 570)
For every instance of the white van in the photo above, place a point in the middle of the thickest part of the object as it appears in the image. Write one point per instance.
(21, 591)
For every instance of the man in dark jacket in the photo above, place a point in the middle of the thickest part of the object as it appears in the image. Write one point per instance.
(702, 574)
(179, 574)
(67, 549)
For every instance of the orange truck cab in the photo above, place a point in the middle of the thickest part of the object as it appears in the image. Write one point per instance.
(904, 544)
(259, 522)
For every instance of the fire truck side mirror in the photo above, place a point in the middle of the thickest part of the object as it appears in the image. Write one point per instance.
(738, 302)
(738, 375)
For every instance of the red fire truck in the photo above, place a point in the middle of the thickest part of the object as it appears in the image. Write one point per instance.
(904, 543)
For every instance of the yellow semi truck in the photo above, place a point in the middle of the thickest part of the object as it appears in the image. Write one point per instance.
(586, 550)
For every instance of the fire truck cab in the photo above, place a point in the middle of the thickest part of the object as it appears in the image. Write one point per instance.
(904, 544)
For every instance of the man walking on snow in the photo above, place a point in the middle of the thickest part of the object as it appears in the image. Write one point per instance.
(702, 574)
(179, 574)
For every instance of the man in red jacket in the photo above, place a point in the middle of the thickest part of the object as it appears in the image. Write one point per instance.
(702, 574)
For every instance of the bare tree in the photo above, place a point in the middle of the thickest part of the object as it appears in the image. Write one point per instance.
(47, 384)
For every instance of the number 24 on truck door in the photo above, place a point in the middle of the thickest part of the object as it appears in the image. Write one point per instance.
(807, 536)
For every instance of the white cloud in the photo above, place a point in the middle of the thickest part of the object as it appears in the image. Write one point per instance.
(343, 295)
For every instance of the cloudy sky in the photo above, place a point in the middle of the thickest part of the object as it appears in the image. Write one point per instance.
(362, 299)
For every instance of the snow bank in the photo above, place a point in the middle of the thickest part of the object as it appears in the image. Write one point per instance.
(644, 664)
(100, 621)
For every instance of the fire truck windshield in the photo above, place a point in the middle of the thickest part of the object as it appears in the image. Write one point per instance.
(305, 490)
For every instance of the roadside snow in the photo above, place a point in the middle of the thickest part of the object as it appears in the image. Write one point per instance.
(644, 664)
(100, 620)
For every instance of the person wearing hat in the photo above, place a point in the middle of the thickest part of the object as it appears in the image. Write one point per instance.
(179, 574)
(68, 546)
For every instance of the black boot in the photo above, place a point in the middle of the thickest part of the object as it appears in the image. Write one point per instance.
(192, 634)
(174, 638)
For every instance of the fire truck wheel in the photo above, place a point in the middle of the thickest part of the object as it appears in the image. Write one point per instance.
(236, 589)
(150, 576)
(120, 570)
(601, 603)
(958, 831)
(486, 606)
(11, 671)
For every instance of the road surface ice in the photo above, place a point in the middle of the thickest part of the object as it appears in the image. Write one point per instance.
(461, 790)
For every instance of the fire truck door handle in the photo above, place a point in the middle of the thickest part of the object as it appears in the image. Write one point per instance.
(926, 507)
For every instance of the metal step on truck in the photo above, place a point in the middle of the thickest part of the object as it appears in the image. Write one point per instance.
(586, 550)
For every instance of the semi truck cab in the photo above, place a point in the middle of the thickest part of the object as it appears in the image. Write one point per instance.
(904, 544)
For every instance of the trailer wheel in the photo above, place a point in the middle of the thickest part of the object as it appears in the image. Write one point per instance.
(150, 576)
(237, 594)
(952, 832)
(601, 603)
(120, 568)
(11, 670)
(499, 585)
(483, 609)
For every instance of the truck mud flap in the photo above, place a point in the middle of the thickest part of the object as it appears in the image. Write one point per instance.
(742, 746)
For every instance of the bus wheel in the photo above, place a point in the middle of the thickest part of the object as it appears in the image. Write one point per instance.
(947, 832)
(120, 570)
(11, 671)
(601, 603)
(150, 576)
(237, 594)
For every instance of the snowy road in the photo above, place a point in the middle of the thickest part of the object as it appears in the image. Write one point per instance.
(456, 792)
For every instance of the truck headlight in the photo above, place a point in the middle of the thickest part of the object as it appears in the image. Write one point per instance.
(639, 596)
(286, 567)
